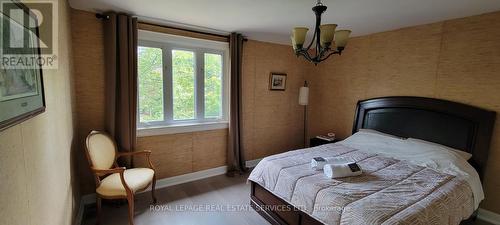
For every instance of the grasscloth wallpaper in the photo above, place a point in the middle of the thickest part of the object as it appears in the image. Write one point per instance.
(272, 120)
(88, 57)
(457, 60)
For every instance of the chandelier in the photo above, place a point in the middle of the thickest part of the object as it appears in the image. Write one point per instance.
(323, 35)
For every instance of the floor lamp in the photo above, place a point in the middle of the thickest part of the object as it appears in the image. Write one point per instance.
(304, 100)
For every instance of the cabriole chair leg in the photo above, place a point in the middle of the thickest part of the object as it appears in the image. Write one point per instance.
(153, 189)
(130, 200)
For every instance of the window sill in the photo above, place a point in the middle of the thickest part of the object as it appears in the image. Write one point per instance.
(180, 128)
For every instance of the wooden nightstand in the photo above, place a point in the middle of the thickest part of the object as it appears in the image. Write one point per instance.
(317, 141)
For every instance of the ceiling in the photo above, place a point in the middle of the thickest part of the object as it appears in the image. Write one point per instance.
(272, 20)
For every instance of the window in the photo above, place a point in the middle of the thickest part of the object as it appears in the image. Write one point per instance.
(182, 84)
(213, 87)
(150, 72)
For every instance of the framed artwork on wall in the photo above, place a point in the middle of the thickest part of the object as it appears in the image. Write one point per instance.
(277, 82)
(21, 84)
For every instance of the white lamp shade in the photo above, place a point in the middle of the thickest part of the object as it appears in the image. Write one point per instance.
(304, 96)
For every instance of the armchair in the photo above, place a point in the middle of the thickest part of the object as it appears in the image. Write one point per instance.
(113, 182)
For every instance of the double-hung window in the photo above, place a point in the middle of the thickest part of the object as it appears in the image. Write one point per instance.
(182, 84)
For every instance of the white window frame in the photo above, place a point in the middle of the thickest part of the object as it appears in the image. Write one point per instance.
(168, 43)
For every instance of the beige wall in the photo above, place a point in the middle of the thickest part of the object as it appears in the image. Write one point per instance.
(458, 60)
(36, 165)
(272, 120)
(177, 154)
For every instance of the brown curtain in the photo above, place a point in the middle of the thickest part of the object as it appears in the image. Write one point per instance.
(120, 42)
(235, 158)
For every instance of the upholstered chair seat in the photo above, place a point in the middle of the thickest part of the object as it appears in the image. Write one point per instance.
(112, 181)
(136, 179)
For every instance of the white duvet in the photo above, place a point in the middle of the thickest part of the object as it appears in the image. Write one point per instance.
(419, 153)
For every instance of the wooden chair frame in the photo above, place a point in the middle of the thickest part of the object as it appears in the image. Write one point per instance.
(99, 173)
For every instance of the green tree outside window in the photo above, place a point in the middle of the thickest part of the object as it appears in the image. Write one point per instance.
(150, 79)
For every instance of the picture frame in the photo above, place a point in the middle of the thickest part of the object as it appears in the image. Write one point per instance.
(21, 87)
(277, 82)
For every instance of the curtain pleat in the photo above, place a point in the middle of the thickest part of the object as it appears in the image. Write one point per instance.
(120, 40)
(235, 156)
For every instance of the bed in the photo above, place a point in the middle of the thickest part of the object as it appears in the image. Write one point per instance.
(405, 180)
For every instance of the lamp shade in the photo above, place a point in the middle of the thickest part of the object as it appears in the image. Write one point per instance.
(304, 96)
(327, 32)
(341, 37)
(299, 35)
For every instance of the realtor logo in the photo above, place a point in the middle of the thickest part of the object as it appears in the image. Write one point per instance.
(21, 47)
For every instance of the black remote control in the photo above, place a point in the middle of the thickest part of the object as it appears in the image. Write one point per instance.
(354, 167)
(319, 159)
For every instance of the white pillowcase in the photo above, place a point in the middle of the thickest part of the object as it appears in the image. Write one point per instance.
(376, 132)
(423, 143)
(428, 144)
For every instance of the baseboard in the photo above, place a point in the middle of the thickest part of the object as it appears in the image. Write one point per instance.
(252, 163)
(489, 216)
(166, 182)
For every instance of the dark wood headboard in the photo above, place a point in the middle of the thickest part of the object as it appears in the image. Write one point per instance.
(452, 124)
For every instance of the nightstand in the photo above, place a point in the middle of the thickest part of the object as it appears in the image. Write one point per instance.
(317, 141)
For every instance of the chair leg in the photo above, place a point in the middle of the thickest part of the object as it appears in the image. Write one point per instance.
(153, 189)
(130, 200)
(98, 203)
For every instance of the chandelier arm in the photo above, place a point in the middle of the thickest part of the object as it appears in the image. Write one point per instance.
(328, 56)
(323, 51)
(306, 55)
(319, 54)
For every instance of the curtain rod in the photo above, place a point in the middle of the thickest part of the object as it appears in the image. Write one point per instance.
(103, 16)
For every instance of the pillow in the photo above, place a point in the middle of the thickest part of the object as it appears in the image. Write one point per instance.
(370, 131)
(463, 154)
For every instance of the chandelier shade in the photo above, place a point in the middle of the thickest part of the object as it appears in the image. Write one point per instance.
(299, 35)
(341, 38)
(327, 34)
(323, 39)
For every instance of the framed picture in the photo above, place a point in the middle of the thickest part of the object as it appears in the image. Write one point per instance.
(277, 82)
(21, 85)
